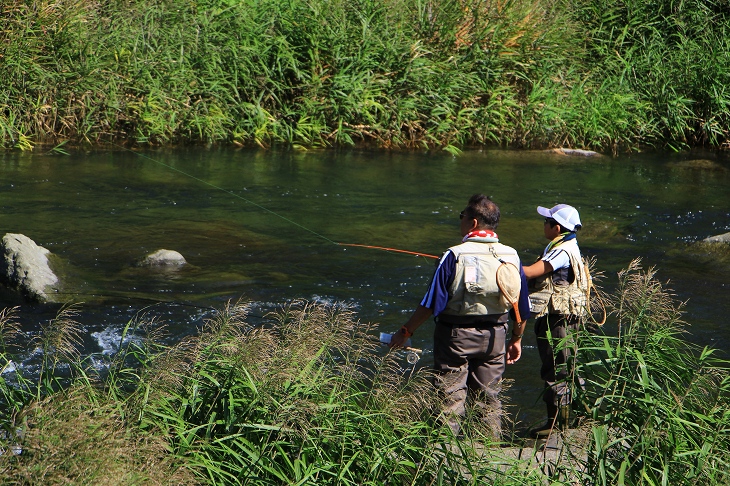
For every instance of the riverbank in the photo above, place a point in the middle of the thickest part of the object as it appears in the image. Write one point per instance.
(438, 74)
(311, 398)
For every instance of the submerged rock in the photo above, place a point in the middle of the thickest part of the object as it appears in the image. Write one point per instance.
(166, 258)
(699, 164)
(724, 238)
(25, 269)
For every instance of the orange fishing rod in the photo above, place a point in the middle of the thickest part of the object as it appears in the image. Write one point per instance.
(391, 249)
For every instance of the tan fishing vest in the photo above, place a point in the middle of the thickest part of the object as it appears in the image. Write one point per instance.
(474, 291)
(570, 299)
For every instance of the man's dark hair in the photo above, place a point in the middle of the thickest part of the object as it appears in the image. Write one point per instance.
(484, 210)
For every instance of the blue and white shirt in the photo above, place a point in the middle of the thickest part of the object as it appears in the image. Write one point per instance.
(559, 259)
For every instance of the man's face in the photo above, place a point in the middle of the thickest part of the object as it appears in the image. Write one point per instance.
(467, 222)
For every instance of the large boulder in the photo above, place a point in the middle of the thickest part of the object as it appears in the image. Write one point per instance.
(24, 268)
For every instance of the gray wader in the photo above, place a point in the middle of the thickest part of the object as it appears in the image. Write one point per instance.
(470, 361)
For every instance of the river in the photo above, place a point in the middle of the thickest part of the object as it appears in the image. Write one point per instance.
(264, 226)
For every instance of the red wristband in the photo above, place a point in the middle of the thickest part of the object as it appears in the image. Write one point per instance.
(404, 330)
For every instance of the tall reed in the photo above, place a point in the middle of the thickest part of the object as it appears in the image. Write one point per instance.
(306, 400)
(57, 344)
(659, 408)
(396, 73)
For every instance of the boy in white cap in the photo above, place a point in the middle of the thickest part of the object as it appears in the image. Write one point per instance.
(558, 301)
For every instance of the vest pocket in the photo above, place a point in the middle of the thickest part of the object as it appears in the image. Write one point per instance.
(538, 303)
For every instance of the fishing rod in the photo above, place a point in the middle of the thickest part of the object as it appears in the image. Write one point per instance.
(373, 247)
(396, 250)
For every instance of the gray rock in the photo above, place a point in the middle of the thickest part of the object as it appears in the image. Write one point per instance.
(166, 258)
(725, 238)
(25, 269)
(576, 152)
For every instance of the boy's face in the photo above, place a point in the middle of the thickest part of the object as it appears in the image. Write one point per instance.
(551, 232)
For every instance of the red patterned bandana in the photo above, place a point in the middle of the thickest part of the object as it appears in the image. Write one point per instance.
(486, 236)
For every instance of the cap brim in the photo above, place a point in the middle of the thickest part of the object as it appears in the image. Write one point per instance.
(544, 212)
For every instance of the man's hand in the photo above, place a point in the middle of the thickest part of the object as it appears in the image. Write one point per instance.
(398, 340)
(514, 347)
(514, 351)
(417, 318)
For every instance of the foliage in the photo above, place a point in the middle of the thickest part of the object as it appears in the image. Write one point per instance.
(306, 398)
(670, 55)
(304, 401)
(659, 408)
(397, 73)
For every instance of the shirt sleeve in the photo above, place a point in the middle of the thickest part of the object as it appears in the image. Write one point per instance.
(558, 258)
(523, 304)
(437, 295)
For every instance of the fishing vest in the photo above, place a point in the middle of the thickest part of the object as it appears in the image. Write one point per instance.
(474, 291)
(547, 297)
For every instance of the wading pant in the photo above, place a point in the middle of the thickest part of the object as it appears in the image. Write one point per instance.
(557, 354)
(470, 362)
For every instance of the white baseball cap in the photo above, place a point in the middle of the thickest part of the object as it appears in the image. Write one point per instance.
(566, 216)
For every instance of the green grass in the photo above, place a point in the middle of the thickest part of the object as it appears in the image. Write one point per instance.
(657, 405)
(308, 397)
(672, 56)
(394, 73)
(304, 399)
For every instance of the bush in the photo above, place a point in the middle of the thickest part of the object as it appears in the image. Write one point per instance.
(659, 407)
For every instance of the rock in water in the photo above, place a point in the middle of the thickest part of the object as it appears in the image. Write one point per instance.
(576, 152)
(724, 238)
(168, 258)
(25, 268)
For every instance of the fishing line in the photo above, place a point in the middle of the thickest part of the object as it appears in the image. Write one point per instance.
(228, 192)
(273, 212)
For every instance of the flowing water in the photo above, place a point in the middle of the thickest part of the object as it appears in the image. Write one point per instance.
(264, 226)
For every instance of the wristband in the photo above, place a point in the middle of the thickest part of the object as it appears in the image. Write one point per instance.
(518, 336)
(404, 330)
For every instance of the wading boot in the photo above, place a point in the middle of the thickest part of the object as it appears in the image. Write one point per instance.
(564, 417)
(552, 421)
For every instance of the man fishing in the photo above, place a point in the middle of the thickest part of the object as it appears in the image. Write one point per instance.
(471, 315)
(558, 301)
